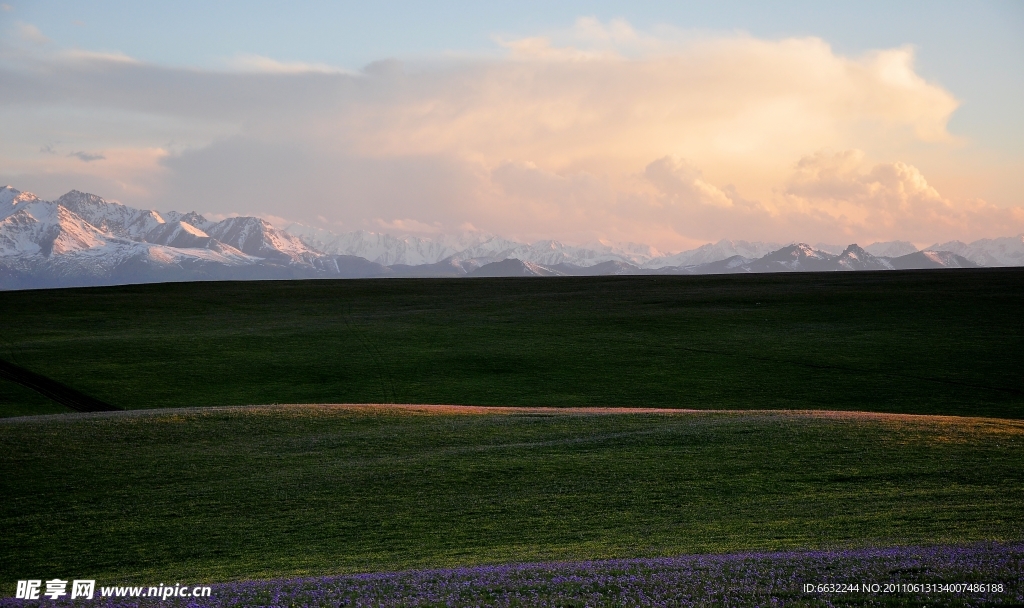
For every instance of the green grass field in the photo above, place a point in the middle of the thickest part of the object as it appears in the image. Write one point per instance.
(947, 342)
(217, 494)
(232, 493)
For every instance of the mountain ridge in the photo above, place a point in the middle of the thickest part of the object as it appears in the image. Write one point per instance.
(83, 239)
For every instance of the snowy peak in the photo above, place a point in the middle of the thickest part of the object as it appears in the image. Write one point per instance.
(7, 195)
(803, 251)
(413, 251)
(113, 218)
(931, 259)
(890, 249)
(855, 258)
(799, 257)
(83, 239)
(255, 236)
(79, 220)
(382, 248)
(178, 234)
(715, 252)
(514, 268)
(734, 264)
(191, 217)
(603, 269)
(1005, 251)
(183, 231)
(10, 199)
(43, 228)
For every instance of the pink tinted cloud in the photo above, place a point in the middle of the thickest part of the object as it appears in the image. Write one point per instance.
(599, 132)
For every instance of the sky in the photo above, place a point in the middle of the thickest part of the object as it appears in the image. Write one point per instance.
(668, 124)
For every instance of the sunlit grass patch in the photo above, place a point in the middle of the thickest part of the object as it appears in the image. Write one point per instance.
(228, 493)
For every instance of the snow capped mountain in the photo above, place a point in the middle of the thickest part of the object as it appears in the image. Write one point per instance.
(855, 258)
(514, 268)
(189, 218)
(1006, 251)
(414, 251)
(547, 253)
(602, 269)
(714, 252)
(82, 239)
(484, 248)
(800, 257)
(43, 243)
(256, 237)
(730, 265)
(384, 248)
(178, 234)
(35, 227)
(830, 248)
(931, 259)
(890, 249)
(636, 254)
(9, 197)
(109, 217)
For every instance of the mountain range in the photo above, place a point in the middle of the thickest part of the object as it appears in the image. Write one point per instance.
(81, 239)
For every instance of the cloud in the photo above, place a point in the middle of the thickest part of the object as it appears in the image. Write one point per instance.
(86, 156)
(525, 180)
(31, 33)
(577, 135)
(96, 57)
(275, 220)
(259, 63)
(839, 197)
(589, 39)
(683, 185)
(6, 8)
(888, 198)
(133, 175)
(409, 226)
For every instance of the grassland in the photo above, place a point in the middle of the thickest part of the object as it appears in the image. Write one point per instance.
(216, 494)
(211, 494)
(949, 342)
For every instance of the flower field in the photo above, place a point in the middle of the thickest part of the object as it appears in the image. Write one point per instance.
(958, 576)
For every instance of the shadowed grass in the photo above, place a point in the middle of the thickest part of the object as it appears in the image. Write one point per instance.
(16, 400)
(930, 342)
(263, 492)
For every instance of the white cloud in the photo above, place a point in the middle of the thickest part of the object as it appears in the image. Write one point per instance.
(78, 55)
(525, 180)
(275, 220)
(886, 199)
(409, 226)
(576, 135)
(259, 63)
(681, 182)
(215, 217)
(31, 33)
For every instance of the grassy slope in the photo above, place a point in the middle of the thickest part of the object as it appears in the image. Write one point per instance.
(222, 494)
(949, 342)
(16, 400)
